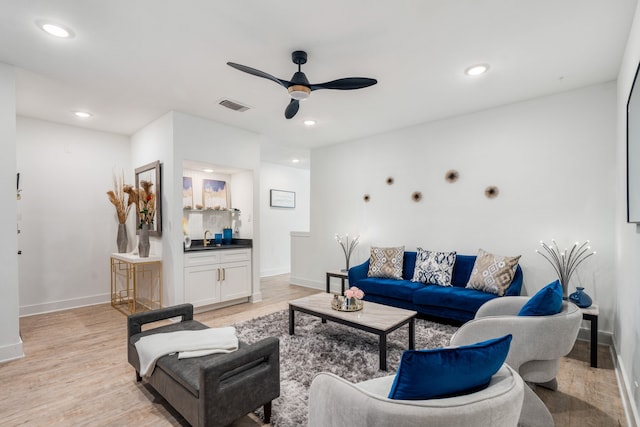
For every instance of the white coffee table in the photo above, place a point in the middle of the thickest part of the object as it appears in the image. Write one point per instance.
(374, 318)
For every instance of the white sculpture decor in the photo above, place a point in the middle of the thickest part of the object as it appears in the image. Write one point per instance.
(565, 262)
(347, 246)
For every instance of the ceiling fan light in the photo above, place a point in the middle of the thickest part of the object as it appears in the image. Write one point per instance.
(299, 92)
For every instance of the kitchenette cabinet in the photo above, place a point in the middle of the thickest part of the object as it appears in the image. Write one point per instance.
(217, 276)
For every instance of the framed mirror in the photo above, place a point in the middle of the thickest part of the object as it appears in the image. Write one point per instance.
(152, 173)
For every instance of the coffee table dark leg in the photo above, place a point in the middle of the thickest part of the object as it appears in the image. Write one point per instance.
(412, 333)
(594, 342)
(291, 321)
(383, 351)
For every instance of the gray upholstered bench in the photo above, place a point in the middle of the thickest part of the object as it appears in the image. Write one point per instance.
(212, 390)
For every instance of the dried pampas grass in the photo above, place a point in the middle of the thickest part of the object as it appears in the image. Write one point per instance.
(145, 199)
(117, 197)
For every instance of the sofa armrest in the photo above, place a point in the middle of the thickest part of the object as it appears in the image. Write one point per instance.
(358, 272)
(135, 321)
(240, 381)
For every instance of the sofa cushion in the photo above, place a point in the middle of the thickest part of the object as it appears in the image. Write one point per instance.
(462, 269)
(445, 372)
(434, 267)
(546, 302)
(492, 273)
(386, 262)
(461, 298)
(390, 288)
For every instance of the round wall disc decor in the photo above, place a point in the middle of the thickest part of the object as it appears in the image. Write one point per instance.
(452, 175)
(366, 198)
(416, 196)
(491, 192)
(390, 180)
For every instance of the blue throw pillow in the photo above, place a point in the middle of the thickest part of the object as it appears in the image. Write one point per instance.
(546, 302)
(445, 372)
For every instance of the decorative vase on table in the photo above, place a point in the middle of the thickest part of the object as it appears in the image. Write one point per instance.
(143, 242)
(121, 239)
(580, 298)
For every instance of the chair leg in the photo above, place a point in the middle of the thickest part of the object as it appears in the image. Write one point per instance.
(267, 412)
(138, 377)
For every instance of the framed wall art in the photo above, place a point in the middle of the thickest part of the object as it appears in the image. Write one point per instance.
(214, 194)
(282, 199)
(187, 192)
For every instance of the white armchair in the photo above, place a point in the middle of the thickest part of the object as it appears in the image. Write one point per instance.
(536, 348)
(336, 402)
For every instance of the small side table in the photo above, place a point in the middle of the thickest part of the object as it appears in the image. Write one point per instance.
(127, 294)
(591, 314)
(342, 275)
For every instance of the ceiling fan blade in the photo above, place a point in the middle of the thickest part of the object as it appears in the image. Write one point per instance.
(345, 84)
(292, 108)
(253, 71)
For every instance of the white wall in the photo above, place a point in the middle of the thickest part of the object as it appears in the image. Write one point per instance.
(151, 143)
(10, 342)
(627, 315)
(553, 160)
(68, 224)
(174, 138)
(278, 223)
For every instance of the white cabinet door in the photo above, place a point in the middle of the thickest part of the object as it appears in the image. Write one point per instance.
(236, 280)
(216, 276)
(201, 284)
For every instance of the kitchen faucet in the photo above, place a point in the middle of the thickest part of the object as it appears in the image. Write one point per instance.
(206, 242)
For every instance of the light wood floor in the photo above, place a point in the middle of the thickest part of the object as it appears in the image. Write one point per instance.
(75, 372)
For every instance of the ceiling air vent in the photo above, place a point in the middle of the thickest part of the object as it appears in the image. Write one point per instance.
(233, 105)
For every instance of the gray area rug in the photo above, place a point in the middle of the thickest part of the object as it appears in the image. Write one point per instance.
(329, 347)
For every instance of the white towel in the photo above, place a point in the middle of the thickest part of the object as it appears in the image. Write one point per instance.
(188, 343)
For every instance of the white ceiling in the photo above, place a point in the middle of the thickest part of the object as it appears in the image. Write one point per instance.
(132, 61)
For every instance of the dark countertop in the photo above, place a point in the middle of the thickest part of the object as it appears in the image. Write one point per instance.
(198, 245)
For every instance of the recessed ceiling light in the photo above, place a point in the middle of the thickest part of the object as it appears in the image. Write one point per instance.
(207, 170)
(82, 114)
(55, 29)
(295, 160)
(309, 122)
(476, 70)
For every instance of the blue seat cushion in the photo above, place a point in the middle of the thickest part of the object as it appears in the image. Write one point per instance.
(546, 302)
(392, 288)
(446, 372)
(460, 298)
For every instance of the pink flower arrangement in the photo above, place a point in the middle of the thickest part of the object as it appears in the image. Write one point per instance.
(354, 292)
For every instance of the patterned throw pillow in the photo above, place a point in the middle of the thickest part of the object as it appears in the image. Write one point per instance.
(434, 267)
(386, 262)
(492, 273)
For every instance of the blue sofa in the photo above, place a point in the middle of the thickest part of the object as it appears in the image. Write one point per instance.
(454, 303)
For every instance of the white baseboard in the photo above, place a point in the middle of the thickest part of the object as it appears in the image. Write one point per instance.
(48, 307)
(584, 334)
(275, 271)
(626, 394)
(307, 283)
(256, 297)
(12, 351)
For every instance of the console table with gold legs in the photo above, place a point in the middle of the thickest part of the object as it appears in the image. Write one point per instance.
(136, 283)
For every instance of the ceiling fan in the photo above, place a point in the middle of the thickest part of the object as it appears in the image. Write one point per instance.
(299, 87)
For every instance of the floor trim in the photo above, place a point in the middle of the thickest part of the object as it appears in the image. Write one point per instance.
(630, 409)
(11, 351)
